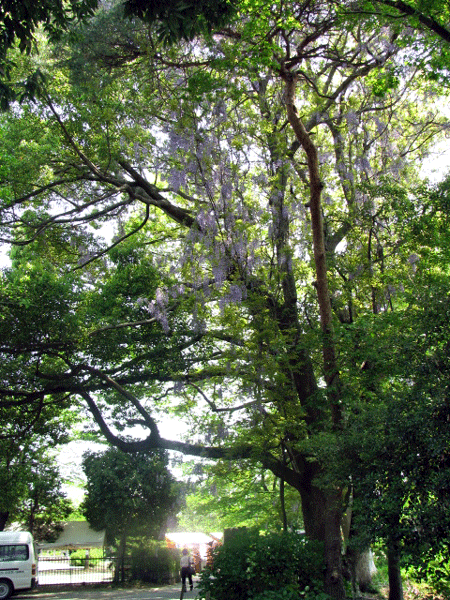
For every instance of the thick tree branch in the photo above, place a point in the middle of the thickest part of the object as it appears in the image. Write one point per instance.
(330, 363)
(180, 215)
(428, 21)
(240, 452)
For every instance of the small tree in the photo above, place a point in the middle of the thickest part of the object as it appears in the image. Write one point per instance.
(45, 505)
(128, 494)
(30, 481)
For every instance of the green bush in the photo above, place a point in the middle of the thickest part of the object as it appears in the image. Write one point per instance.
(433, 569)
(78, 557)
(265, 567)
(153, 562)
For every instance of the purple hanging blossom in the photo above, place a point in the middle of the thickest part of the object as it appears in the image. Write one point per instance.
(198, 322)
(220, 112)
(240, 250)
(206, 290)
(260, 179)
(226, 190)
(177, 290)
(352, 119)
(177, 179)
(143, 303)
(396, 167)
(392, 290)
(158, 308)
(178, 142)
(219, 273)
(207, 221)
(362, 164)
(379, 124)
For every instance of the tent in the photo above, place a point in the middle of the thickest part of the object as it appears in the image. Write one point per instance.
(75, 535)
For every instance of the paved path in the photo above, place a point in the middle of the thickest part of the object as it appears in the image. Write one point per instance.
(172, 592)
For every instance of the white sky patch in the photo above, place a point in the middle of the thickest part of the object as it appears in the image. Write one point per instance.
(70, 457)
(437, 165)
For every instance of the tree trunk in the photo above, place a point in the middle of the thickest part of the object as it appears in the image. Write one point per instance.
(364, 570)
(283, 506)
(119, 574)
(334, 584)
(4, 516)
(331, 499)
(322, 516)
(395, 578)
(313, 509)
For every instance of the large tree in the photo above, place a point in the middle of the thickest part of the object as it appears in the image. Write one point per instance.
(246, 249)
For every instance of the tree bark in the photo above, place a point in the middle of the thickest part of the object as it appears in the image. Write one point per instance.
(334, 584)
(364, 570)
(119, 574)
(395, 578)
(283, 506)
(330, 500)
(331, 371)
(4, 516)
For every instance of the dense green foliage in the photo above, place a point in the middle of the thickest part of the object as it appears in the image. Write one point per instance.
(225, 495)
(432, 567)
(250, 565)
(44, 505)
(176, 20)
(29, 475)
(78, 557)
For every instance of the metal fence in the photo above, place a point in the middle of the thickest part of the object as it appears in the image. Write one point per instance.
(62, 570)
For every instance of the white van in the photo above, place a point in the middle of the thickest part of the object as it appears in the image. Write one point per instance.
(18, 562)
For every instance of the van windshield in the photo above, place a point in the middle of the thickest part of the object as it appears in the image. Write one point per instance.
(14, 552)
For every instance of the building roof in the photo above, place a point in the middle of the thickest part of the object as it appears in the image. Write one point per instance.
(76, 534)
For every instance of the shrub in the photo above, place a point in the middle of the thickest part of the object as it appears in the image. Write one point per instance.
(153, 562)
(433, 569)
(78, 557)
(265, 567)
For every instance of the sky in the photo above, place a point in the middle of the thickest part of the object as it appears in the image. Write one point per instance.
(70, 457)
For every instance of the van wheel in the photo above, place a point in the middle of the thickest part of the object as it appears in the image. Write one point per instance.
(6, 589)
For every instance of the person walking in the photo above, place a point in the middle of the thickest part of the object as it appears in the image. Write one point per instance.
(186, 569)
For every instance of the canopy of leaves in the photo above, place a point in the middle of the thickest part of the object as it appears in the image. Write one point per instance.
(227, 495)
(183, 19)
(44, 506)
